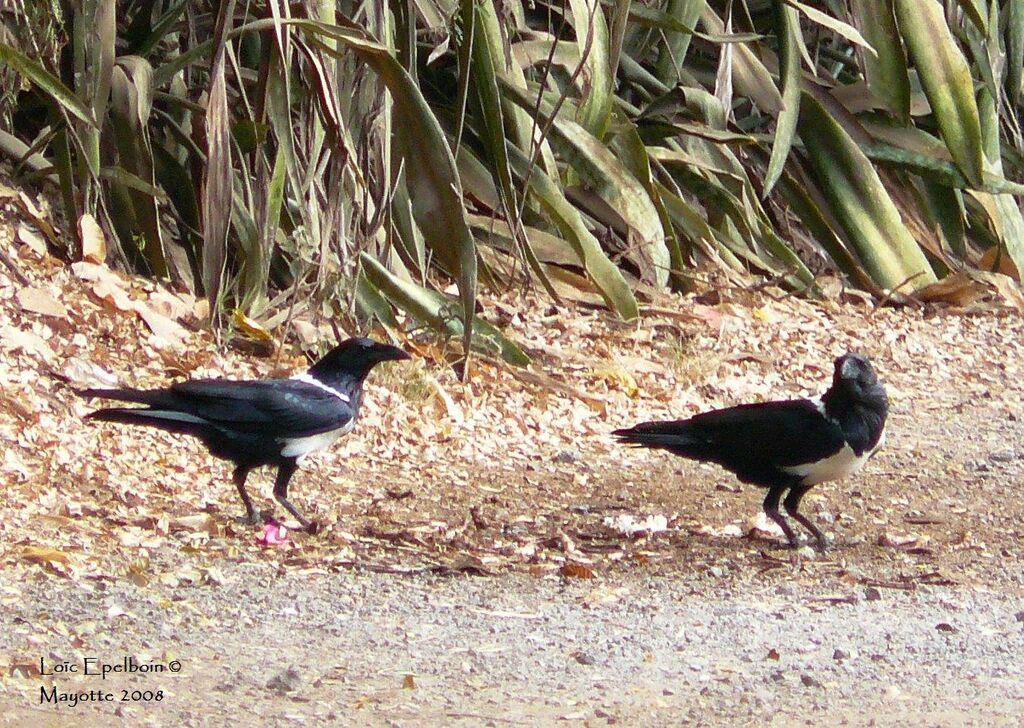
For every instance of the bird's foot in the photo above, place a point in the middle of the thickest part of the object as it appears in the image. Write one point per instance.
(251, 518)
(311, 527)
(820, 543)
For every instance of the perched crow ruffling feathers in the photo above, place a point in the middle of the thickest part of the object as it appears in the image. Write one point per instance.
(269, 422)
(786, 445)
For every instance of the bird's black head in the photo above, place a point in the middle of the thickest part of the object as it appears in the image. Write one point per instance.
(355, 358)
(855, 379)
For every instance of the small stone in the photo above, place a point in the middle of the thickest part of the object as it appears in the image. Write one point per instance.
(777, 676)
(1019, 616)
(809, 682)
(668, 691)
(840, 655)
(285, 682)
(583, 658)
(872, 594)
(945, 627)
(1002, 456)
(716, 572)
(567, 457)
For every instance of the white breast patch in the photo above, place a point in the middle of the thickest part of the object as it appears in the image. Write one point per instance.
(300, 447)
(834, 467)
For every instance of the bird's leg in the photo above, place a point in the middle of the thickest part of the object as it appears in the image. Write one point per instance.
(239, 476)
(771, 509)
(284, 474)
(792, 504)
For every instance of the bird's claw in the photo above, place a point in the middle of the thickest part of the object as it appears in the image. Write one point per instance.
(251, 519)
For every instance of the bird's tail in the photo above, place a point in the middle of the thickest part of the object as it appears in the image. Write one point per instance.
(676, 436)
(140, 396)
(167, 420)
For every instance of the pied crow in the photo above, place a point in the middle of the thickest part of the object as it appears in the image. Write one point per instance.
(785, 446)
(268, 422)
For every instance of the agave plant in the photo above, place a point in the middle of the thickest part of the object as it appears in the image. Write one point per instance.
(302, 158)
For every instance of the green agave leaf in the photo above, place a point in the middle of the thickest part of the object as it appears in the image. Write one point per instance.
(436, 310)
(946, 79)
(217, 193)
(101, 50)
(1014, 50)
(629, 147)
(487, 53)
(649, 17)
(465, 51)
(371, 303)
(176, 180)
(47, 83)
(975, 11)
(788, 29)
(672, 52)
(619, 26)
(592, 39)
(131, 100)
(606, 176)
(1004, 209)
(495, 233)
(822, 232)
(750, 77)
(834, 24)
(411, 246)
(528, 53)
(519, 124)
(133, 182)
(946, 205)
(860, 203)
(939, 170)
(605, 274)
(886, 69)
(431, 177)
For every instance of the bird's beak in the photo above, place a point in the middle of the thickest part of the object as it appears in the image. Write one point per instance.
(386, 352)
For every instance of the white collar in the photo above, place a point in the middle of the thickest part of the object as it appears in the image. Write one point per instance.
(308, 378)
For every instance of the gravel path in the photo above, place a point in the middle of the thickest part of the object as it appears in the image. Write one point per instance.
(352, 648)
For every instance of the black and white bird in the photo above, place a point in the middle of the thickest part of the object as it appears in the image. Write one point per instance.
(785, 446)
(267, 422)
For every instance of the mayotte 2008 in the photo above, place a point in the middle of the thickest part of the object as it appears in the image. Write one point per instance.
(72, 699)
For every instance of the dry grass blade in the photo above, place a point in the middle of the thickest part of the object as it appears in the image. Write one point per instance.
(217, 193)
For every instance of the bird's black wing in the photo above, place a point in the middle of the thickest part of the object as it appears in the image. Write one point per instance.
(276, 408)
(750, 436)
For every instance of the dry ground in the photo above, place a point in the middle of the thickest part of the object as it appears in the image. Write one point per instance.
(474, 568)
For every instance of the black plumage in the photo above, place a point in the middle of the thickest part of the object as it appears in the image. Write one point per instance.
(269, 422)
(785, 446)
